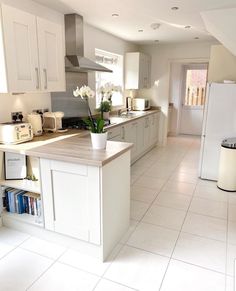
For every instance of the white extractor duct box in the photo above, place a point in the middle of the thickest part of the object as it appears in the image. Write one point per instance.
(221, 24)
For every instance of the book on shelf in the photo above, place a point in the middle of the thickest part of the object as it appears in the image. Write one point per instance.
(20, 201)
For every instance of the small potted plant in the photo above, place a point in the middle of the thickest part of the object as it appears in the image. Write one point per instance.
(105, 108)
(96, 126)
(106, 92)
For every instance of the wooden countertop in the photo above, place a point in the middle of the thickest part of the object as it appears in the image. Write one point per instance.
(75, 145)
(77, 149)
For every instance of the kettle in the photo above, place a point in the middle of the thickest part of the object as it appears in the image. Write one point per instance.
(36, 121)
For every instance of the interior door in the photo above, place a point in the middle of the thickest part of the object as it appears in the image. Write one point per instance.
(20, 40)
(193, 98)
(51, 55)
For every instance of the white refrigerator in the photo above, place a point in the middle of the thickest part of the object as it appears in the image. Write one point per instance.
(219, 122)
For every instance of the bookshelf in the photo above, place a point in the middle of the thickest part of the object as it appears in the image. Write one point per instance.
(26, 218)
(27, 185)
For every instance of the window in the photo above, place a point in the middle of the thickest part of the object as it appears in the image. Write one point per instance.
(195, 87)
(113, 62)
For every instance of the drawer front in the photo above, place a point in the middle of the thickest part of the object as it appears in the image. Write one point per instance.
(111, 133)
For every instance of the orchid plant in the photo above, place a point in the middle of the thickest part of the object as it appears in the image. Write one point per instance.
(107, 91)
(85, 93)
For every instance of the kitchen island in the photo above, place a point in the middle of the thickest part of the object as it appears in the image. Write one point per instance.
(85, 193)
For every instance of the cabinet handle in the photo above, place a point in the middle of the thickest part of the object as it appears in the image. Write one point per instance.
(37, 77)
(123, 132)
(46, 79)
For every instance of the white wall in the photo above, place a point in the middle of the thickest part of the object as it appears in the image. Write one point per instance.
(27, 102)
(162, 57)
(222, 64)
(96, 38)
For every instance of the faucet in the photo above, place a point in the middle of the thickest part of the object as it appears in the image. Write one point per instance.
(120, 111)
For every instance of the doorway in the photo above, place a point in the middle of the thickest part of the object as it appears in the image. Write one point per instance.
(193, 98)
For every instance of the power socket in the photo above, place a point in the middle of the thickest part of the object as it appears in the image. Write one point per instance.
(16, 116)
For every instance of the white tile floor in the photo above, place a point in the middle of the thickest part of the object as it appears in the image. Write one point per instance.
(182, 237)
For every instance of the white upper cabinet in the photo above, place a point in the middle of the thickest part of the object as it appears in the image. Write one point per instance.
(51, 56)
(137, 71)
(31, 52)
(21, 51)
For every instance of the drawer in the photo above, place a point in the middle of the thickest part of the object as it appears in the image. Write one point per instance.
(114, 132)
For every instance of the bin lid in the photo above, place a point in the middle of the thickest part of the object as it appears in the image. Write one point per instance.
(229, 143)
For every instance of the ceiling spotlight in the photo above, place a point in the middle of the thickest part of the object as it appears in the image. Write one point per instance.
(187, 26)
(115, 15)
(155, 26)
(140, 30)
(175, 8)
(196, 37)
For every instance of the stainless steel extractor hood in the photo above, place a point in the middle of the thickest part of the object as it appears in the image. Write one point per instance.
(74, 37)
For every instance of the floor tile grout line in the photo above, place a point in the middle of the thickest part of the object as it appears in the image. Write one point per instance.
(49, 267)
(15, 247)
(180, 228)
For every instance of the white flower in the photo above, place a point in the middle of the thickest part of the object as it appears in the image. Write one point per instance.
(84, 92)
(107, 90)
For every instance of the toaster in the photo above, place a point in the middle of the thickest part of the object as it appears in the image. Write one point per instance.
(14, 133)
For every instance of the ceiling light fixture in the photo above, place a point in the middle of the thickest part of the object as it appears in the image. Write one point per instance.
(140, 30)
(196, 37)
(155, 26)
(187, 26)
(156, 40)
(115, 15)
(175, 8)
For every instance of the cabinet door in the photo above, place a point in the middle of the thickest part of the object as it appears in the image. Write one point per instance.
(51, 55)
(131, 136)
(71, 199)
(146, 133)
(21, 50)
(153, 128)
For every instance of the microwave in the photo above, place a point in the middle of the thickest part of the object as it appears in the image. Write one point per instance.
(141, 104)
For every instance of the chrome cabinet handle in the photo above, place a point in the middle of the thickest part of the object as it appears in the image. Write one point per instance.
(46, 79)
(37, 77)
(123, 132)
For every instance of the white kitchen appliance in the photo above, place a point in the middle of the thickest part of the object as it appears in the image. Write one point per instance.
(140, 104)
(14, 133)
(52, 121)
(219, 122)
(36, 121)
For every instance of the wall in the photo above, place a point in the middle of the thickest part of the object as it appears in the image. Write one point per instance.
(222, 65)
(27, 102)
(162, 57)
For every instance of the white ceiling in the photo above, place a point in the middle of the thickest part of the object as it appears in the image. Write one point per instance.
(140, 14)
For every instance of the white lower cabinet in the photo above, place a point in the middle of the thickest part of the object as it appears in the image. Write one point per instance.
(142, 132)
(71, 199)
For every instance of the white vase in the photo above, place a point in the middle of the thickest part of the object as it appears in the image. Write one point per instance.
(99, 140)
(106, 115)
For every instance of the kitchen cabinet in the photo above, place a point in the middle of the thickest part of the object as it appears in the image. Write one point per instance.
(154, 125)
(31, 52)
(146, 133)
(142, 132)
(137, 71)
(71, 199)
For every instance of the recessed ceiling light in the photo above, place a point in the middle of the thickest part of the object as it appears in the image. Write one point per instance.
(155, 26)
(187, 26)
(175, 8)
(115, 15)
(196, 37)
(140, 30)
